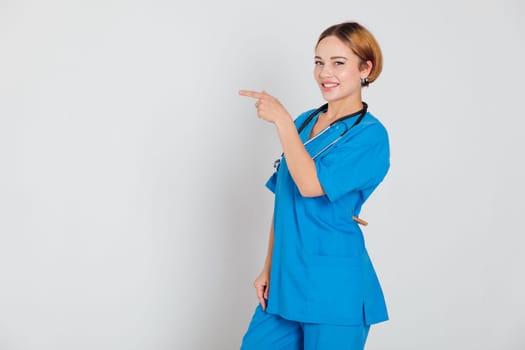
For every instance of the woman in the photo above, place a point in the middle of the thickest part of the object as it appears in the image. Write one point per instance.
(318, 289)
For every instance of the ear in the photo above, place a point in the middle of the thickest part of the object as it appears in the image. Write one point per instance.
(365, 69)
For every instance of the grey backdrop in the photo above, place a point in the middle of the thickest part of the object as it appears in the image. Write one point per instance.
(132, 208)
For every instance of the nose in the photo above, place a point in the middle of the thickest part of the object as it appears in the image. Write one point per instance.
(325, 71)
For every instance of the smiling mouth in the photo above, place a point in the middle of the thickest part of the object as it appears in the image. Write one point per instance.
(329, 85)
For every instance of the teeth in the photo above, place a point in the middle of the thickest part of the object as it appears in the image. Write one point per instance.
(330, 85)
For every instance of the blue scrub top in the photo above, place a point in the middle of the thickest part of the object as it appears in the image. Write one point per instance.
(321, 271)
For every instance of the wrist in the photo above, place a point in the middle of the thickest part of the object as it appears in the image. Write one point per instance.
(284, 122)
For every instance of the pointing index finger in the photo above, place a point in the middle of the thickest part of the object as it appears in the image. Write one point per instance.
(252, 94)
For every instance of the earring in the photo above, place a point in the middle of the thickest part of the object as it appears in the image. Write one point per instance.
(364, 81)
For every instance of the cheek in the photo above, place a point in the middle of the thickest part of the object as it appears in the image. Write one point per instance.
(350, 75)
(316, 73)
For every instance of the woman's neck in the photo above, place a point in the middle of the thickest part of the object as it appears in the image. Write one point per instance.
(338, 109)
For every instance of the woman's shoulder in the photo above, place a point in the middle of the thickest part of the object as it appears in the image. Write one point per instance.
(370, 121)
(369, 131)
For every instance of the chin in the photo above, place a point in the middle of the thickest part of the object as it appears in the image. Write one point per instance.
(330, 98)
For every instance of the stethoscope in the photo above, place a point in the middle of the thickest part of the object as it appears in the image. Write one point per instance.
(361, 113)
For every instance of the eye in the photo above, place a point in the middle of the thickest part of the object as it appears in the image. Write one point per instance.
(339, 63)
(318, 63)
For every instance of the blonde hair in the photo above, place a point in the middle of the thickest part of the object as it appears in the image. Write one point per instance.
(361, 42)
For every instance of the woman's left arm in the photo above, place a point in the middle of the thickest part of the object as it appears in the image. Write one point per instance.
(301, 166)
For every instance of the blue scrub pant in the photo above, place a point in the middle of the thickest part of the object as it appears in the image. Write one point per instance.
(272, 332)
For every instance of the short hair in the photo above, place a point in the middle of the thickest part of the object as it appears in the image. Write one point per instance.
(361, 42)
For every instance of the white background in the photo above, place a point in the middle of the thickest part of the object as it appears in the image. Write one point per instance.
(133, 213)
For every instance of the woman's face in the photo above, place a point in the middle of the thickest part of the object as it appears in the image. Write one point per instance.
(337, 71)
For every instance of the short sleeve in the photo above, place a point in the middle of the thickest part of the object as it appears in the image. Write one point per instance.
(272, 182)
(357, 163)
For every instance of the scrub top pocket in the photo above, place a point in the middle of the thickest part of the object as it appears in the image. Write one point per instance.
(337, 282)
(338, 245)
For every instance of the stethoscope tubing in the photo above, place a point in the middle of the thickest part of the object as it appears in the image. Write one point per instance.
(324, 107)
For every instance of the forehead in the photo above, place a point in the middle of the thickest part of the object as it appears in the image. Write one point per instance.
(333, 46)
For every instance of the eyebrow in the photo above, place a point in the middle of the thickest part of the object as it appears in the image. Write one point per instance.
(333, 57)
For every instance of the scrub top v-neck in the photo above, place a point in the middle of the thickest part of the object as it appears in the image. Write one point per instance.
(321, 271)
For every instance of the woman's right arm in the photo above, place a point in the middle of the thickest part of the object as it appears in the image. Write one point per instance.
(262, 282)
(300, 164)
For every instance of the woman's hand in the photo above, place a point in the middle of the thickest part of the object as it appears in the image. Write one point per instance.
(268, 107)
(262, 286)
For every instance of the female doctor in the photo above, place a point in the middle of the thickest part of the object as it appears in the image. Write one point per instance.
(318, 288)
